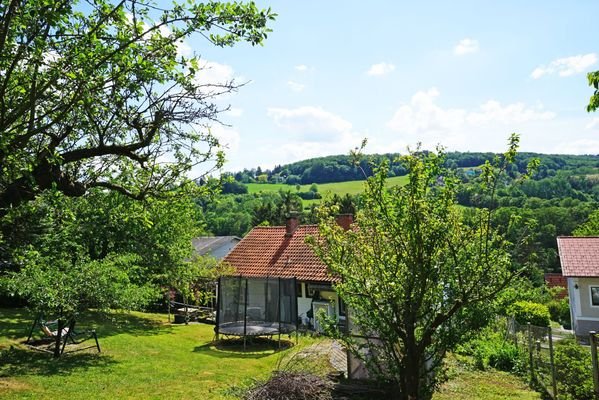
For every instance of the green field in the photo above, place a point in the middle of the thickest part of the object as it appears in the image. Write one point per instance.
(339, 188)
(145, 357)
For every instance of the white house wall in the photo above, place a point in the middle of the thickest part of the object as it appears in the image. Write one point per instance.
(585, 315)
(304, 304)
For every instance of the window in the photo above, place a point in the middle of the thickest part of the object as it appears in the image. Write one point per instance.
(595, 296)
(341, 308)
(299, 289)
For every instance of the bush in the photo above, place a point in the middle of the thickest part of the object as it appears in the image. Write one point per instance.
(574, 371)
(554, 308)
(506, 357)
(559, 310)
(309, 195)
(526, 311)
(490, 349)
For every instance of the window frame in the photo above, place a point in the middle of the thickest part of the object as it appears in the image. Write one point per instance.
(591, 287)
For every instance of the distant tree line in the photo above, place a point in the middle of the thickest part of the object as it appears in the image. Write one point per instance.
(560, 196)
(341, 168)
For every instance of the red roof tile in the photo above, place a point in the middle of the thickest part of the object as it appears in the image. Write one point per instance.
(579, 256)
(267, 251)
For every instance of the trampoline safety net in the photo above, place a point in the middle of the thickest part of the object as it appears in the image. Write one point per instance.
(256, 306)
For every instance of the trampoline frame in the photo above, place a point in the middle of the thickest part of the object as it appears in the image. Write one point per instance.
(245, 328)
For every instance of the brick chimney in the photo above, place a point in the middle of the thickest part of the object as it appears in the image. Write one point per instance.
(345, 220)
(291, 225)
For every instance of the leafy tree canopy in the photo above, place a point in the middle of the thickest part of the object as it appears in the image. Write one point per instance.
(95, 94)
(593, 78)
(415, 272)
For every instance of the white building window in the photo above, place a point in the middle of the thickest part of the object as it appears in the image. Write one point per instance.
(595, 296)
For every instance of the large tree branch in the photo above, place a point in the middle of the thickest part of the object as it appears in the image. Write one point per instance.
(128, 150)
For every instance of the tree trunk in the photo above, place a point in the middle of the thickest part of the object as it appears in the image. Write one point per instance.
(57, 344)
(413, 379)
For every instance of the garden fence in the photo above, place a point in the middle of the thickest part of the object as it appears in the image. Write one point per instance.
(538, 343)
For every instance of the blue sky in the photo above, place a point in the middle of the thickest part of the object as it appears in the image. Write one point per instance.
(463, 74)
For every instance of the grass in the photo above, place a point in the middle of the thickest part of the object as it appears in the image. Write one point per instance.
(142, 357)
(145, 357)
(467, 383)
(339, 188)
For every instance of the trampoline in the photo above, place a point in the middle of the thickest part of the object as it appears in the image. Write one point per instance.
(252, 307)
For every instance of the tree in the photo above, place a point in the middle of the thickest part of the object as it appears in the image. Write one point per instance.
(195, 280)
(103, 250)
(414, 272)
(593, 79)
(97, 94)
(590, 227)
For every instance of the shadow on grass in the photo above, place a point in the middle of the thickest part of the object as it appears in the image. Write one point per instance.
(15, 324)
(233, 348)
(117, 323)
(16, 362)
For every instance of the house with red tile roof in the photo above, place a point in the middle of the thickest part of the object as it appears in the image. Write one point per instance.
(282, 251)
(579, 258)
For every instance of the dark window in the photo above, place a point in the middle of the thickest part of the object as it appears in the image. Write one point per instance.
(341, 308)
(595, 295)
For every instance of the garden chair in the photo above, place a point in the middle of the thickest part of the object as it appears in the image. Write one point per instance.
(67, 334)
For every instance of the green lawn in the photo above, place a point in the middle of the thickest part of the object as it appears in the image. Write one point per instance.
(145, 357)
(142, 357)
(340, 188)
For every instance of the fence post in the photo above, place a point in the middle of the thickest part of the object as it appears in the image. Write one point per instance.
(552, 362)
(593, 342)
(530, 350)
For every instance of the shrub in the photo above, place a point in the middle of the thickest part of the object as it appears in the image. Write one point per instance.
(506, 357)
(490, 349)
(560, 311)
(309, 195)
(574, 371)
(526, 311)
(554, 310)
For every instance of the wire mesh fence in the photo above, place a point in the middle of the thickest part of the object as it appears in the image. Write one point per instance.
(545, 372)
(537, 342)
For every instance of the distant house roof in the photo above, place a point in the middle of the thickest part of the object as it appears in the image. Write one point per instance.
(579, 256)
(272, 251)
(557, 280)
(216, 246)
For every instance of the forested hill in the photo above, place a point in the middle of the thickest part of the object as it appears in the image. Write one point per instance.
(341, 168)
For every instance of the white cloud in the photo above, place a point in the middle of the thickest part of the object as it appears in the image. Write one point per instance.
(213, 73)
(313, 132)
(295, 86)
(493, 112)
(235, 112)
(423, 120)
(466, 46)
(308, 121)
(301, 67)
(228, 138)
(592, 124)
(581, 146)
(380, 69)
(566, 66)
(423, 115)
